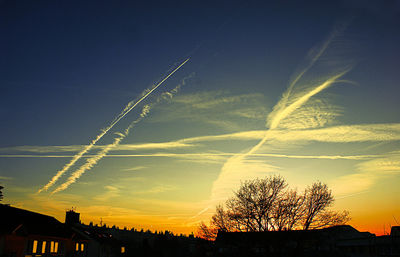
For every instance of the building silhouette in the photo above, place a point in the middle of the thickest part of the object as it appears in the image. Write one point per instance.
(25, 233)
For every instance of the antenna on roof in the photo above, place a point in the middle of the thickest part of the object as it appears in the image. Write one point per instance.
(396, 220)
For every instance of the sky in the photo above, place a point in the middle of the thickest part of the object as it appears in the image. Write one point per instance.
(148, 114)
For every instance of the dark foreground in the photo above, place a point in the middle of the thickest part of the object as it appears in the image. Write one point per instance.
(28, 234)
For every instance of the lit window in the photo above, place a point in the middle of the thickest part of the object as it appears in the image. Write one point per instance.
(82, 247)
(76, 247)
(43, 246)
(34, 248)
(122, 249)
(52, 246)
(56, 247)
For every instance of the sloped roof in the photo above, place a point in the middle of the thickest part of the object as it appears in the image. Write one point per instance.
(24, 222)
(338, 232)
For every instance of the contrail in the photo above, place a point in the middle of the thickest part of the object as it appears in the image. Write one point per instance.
(127, 109)
(279, 116)
(281, 104)
(148, 93)
(95, 159)
(285, 107)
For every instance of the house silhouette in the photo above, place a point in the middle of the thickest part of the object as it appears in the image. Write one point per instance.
(25, 233)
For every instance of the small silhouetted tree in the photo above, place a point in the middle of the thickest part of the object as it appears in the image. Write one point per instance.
(206, 232)
(223, 220)
(1, 193)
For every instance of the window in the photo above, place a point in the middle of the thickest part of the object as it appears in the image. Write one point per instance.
(34, 248)
(43, 246)
(76, 247)
(56, 247)
(82, 247)
(52, 246)
(122, 249)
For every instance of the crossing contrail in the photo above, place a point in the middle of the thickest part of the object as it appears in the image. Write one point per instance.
(95, 159)
(233, 170)
(90, 162)
(127, 109)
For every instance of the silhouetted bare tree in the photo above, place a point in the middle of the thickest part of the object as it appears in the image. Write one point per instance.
(317, 199)
(205, 232)
(252, 207)
(221, 220)
(268, 205)
(289, 211)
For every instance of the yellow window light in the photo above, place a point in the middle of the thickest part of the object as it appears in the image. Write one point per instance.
(43, 246)
(34, 248)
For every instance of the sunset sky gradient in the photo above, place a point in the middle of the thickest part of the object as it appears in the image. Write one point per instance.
(306, 89)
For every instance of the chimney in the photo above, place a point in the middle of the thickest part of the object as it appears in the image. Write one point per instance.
(72, 217)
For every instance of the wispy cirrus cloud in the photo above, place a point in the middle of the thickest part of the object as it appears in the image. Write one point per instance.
(367, 173)
(200, 107)
(294, 104)
(238, 168)
(156, 190)
(111, 191)
(334, 134)
(136, 168)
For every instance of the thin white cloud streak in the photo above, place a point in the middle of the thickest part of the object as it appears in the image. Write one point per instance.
(156, 190)
(76, 148)
(134, 168)
(341, 134)
(5, 178)
(208, 155)
(335, 134)
(94, 160)
(127, 109)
